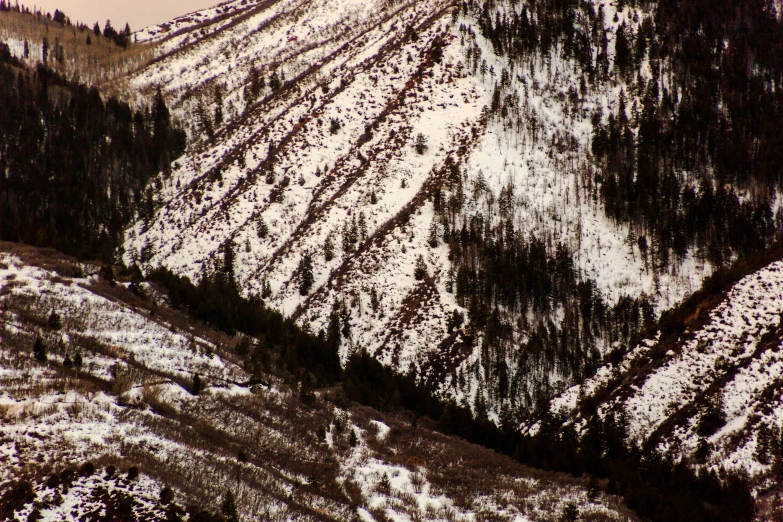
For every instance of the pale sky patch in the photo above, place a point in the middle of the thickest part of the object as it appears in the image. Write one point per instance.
(139, 13)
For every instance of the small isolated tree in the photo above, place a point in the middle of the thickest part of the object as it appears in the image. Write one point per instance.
(196, 385)
(384, 485)
(437, 50)
(274, 81)
(166, 495)
(39, 350)
(432, 239)
(570, 513)
(54, 321)
(261, 229)
(329, 248)
(270, 177)
(306, 274)
(420, 272)
(353, 440)
(229, 507)
(421, 143)
(334, 126)
(174, 513)
(702, 451)
(374, 301)
(713, 418)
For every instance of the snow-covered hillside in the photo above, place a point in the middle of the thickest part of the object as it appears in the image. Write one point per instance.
(315, 164)
(711, 395)
(112, 390)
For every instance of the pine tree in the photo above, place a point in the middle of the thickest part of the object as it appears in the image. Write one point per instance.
(421, 143)
(570, 513)
(306, 274)
(196, 385)
(334, 127)
(54, 321)
(329, 248)
(262, 229)
(362, 227)
(432, 239)
(274, 81)
(229, 507)
(39, 350)
(218, 106)
(420, 272)
(384, 485)
(374, 301)
(166, 495)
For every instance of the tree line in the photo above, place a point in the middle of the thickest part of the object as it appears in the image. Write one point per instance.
(75, 169)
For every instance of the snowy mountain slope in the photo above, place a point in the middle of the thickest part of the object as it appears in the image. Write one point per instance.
(711, 394)
(124, 405)
(278, 160)
(405, 95)
(305, 174)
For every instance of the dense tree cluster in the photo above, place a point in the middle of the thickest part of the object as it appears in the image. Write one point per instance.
(121, 38)
(695, 161)
(699, 163)
(509, 284)
(216, 301)
(75, 168)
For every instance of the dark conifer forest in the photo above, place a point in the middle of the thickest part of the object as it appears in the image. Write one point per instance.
(75, 168)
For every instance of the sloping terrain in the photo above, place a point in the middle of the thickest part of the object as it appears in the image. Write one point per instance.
(304, 164)
(104, 387)
(707, 391)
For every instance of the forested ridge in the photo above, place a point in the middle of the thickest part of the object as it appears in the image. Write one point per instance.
(75, 169)
(692, 157)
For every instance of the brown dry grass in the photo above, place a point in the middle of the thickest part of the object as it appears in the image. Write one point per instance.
(100, 63)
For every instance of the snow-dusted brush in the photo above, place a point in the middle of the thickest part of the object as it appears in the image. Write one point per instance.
(114, 404)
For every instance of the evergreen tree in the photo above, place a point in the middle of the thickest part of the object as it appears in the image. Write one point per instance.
(421, 144)
(55, 322)
(305, 270)
(420, 272)
(229, 507)
(39, 350)
(261, 228)
(432, 239)
(329, 248)
(196, 385)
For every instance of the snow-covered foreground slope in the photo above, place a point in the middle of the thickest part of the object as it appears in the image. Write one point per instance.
(115, 390)
(712, 394)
